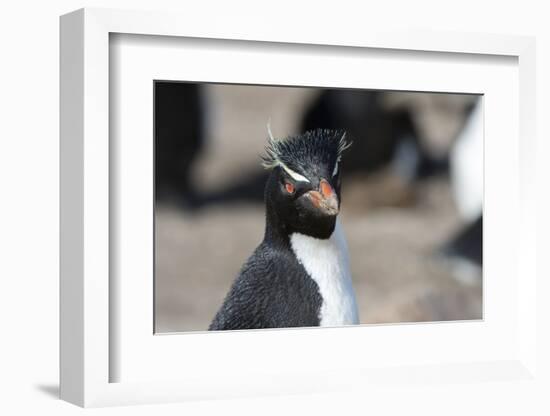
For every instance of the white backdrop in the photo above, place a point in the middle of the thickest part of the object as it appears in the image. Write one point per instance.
(29, 206)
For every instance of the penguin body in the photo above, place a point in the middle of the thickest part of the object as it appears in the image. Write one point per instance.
(299, 275)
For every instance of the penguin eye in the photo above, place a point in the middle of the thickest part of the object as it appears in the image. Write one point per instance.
(289, 187)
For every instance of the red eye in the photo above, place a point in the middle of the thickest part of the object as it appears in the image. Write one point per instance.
(289, 188)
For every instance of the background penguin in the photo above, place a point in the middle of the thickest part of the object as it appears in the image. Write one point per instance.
(299, 275)
(464, 251)
(179, 140)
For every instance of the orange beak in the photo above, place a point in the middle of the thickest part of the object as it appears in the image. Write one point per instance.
(325, 198)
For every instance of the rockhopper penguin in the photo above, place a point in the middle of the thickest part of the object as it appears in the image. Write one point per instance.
(299, 275)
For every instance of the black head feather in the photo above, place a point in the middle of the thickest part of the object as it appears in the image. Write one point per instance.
(308, 152)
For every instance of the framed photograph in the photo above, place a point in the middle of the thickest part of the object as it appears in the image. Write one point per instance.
(274, 212)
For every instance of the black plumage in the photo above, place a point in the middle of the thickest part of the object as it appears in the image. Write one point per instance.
(273, 290)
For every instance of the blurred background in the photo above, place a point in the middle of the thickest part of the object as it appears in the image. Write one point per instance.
(412, 190)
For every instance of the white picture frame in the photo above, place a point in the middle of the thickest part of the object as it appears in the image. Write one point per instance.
(87, 302)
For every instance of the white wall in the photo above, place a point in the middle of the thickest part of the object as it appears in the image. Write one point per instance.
(29, 190)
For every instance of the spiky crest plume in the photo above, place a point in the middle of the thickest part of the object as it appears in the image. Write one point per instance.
(299, 153)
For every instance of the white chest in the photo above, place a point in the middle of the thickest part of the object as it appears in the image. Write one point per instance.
(327, 262)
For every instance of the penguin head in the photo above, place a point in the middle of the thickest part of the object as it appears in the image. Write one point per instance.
(303, 188)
